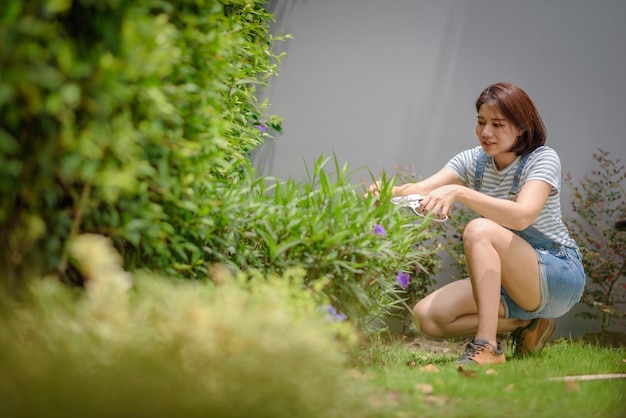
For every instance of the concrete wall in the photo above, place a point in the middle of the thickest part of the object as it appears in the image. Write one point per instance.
(387, 83)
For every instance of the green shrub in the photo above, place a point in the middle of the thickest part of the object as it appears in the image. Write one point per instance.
(598, 201)
(325, 226)
(115, 116)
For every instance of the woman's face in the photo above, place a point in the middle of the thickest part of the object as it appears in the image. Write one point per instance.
(496, 134)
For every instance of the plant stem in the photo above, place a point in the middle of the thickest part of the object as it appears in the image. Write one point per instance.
(78, 218)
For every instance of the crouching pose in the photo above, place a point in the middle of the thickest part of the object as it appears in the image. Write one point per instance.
(524, 269)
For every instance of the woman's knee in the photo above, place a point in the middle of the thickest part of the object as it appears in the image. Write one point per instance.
(477, 228)
(425, 320)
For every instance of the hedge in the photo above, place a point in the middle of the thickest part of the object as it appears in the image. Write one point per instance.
(117, 117)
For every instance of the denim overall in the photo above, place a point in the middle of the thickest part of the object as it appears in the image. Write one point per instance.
(562, 278)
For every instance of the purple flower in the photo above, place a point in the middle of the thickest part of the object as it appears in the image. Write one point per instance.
(262, 126)
(379, 230)
(403, 279)
(333, 315)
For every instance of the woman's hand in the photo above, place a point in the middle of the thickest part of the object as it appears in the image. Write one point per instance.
(373, 189)
(440, 200)
(441, 179)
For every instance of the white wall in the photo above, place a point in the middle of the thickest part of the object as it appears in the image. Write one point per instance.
(386, 83)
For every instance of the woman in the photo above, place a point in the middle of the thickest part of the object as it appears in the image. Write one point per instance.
(524, 269)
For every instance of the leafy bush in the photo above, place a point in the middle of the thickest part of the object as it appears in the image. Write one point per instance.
(115, 115)
(350, 247)
(251, 346)
(598, 201)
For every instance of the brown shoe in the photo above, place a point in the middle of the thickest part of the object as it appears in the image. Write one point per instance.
(531, 338)
(481, 352)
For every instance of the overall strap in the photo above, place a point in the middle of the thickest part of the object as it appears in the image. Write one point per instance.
(515, 189)
(480, 169)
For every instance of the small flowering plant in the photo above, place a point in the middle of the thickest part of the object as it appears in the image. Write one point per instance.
(412, 282)
(350, 246)
(334, 315)
(599, 201)
(380, 230)
(403, 279)
(268, 127)
(262, 126)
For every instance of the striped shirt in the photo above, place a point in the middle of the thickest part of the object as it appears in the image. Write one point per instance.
(544, 164)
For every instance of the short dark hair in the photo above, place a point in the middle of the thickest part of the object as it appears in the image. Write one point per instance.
(520, 110)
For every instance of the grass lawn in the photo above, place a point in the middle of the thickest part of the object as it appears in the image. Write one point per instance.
(412, 382)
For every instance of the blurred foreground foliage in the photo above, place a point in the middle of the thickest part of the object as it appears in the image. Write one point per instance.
(250, 346)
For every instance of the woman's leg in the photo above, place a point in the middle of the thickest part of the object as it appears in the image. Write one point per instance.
(495, 256)
(451, 311)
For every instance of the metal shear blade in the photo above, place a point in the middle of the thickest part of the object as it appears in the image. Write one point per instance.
(413, 202)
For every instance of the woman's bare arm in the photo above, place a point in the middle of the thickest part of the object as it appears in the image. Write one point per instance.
(443, 177)
(516, 215)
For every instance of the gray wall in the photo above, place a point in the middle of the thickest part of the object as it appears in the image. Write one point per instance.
(387, 83)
